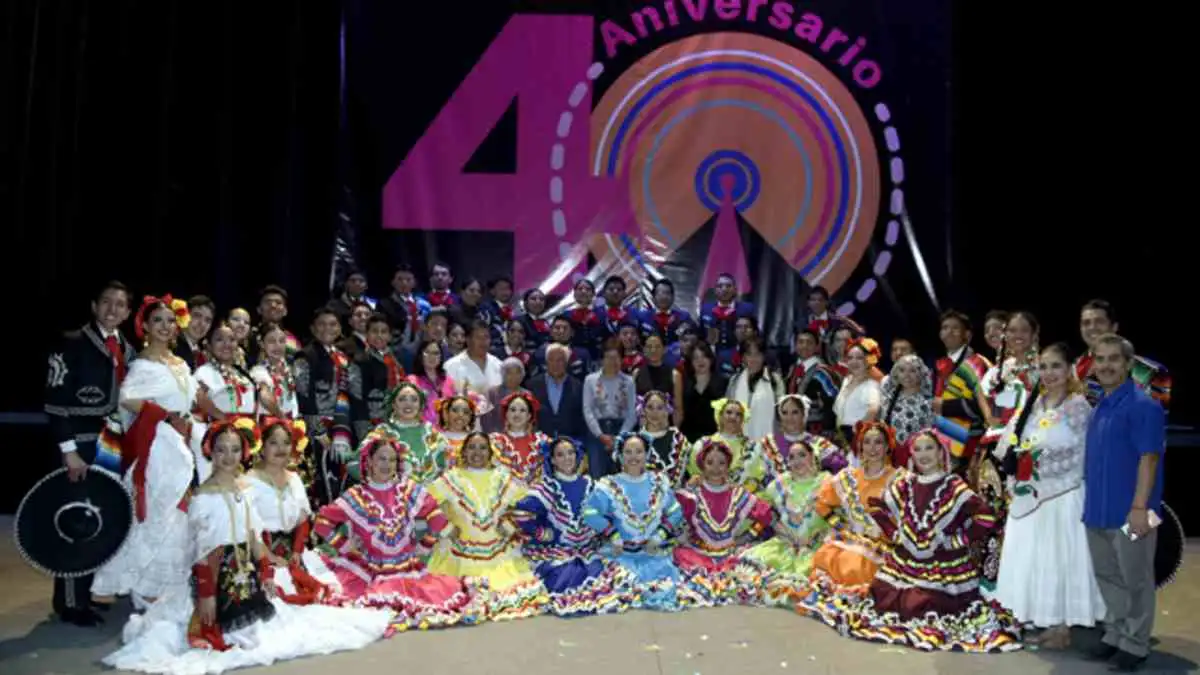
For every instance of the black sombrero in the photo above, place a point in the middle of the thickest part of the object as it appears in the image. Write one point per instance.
(1168, 548)
(68, 529)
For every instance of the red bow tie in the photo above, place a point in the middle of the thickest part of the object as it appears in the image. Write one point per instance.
(439, 298)
(819, 326)
(722, 313)
(616, 313)
(506, 313)
(664, 320)
(541, 325)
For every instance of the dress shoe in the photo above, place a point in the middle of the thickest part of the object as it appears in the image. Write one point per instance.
(81, 617)
(1124, 662)
(1101, 652)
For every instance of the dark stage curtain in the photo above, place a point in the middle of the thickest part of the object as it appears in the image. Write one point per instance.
(180, 147)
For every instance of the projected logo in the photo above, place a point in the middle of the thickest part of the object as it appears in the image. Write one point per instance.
(703, 128)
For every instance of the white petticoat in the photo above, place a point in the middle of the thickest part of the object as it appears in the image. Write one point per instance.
(1046, 576)
(156, 642)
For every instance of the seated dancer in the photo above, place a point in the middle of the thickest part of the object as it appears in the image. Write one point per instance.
(156, 400)
(722, 519)
(926, 594)
(228, 390)
(426, 456)
(791, 415)
(747, 467)
(456, 418)
(799, 529)
(668, 451)
(478, 497)
(372, 546)
(637, 512)
(273, 375)
(564, 551)
(281, 505)
(516, 446)
(225, 615)
(847, 561)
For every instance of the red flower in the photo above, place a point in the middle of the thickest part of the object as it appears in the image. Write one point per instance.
(1025, 466)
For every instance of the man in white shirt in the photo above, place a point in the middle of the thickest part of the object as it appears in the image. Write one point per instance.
(475, 369)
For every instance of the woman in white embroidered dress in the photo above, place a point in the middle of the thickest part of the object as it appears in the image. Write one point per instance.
(859, 398)
(228, 389)
(757, 387)
(273, 375)
(222, 613)
(1046, 575)
(156, 401)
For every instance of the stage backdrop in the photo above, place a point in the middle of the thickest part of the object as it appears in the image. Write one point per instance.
(790, 144)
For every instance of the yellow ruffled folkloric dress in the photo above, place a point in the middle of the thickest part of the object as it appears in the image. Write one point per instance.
(483, 545)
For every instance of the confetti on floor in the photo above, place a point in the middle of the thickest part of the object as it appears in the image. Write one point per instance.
(651, 648)
(564, 643)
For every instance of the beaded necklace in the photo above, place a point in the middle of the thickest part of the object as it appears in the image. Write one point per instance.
(235, 384)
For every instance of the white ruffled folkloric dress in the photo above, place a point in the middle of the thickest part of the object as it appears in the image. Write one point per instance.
(155, 556)
(281, 512)
(157, 641)
(1046, 575)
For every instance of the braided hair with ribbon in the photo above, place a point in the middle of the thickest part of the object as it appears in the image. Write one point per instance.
(296, 432)
(243, 428)
(373, 445)
(389, 403)
(546, 447)
(624, 437)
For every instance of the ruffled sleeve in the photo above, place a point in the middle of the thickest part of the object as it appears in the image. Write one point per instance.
(531, 517)
(597, 509)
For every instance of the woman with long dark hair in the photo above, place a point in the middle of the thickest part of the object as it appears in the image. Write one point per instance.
(757, 387)
(429, 373)
(702, 385)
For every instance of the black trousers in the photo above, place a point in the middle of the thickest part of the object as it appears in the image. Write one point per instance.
(76, 592)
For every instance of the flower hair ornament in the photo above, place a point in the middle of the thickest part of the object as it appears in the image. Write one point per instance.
(443, 409)
(644, 398)
(941, 439)
(862, 428)
(183, 317)
(389, 403)
(546, 447)
(244, 427)
(805, 403)
(371, 446)
(530, 401)
(296, 430)
(870, 347)
(721, 404)
(709, 445)
(622, 438)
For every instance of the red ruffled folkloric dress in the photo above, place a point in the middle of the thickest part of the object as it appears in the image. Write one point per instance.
(373, 550)
(519, 454)
(926, 594)
(721, 522)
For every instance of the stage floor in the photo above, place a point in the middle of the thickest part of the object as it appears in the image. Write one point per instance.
(724, 641)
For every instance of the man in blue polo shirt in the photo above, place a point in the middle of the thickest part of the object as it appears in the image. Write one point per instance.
(1123, 479)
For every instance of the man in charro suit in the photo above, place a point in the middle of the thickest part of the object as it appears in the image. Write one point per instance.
(82, 386)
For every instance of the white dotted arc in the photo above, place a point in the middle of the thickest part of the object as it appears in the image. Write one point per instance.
(558, 152)
(883, 259)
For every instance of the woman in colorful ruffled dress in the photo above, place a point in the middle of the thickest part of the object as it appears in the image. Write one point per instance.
(847, 562)
(722, 519)
(926, 594)
(747, 468)
(273, 375)
(516, 446)
(791, 426)
(636, 511)
(479, 499)
(564, 551)
(281, 505)
(224, 614)
(428, 452)
(799, 529)
(229, 391)
(668, 446)
(156, 399)
(1046, 576)
(373, 546)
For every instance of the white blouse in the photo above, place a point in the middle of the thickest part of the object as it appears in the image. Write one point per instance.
(217, 519)
(279, 510)
(287, 396)
(224, 393)
(852, 403)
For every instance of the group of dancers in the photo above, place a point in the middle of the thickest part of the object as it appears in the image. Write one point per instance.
(244, 552)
